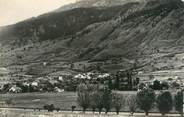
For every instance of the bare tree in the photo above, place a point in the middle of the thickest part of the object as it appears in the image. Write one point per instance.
(93, 97)
(107, 99)
(100, 95)
(83, 96)
(132, 103)
(118, 101)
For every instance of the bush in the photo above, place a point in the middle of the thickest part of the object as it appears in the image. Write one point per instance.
(164, 102)
(146, 99)
(50, 108)
(179, 102)
(73, 108)
(117, 101)
(132, 103)
(9, 101)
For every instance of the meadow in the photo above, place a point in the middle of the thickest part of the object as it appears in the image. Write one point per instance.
(63, 100)
(31, 113)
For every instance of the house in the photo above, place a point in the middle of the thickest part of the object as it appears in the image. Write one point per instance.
(56, 89)
(15, 89)
(60, 78)
(25, 84)
(53, 82)
(105, 75)
(35, 84)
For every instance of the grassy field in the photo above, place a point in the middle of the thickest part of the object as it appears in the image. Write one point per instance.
(31, 113)
(63, 100)
(37, 100)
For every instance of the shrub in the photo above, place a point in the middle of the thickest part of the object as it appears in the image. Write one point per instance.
(179, 102)
(50, 108)
(57, 109)
(164, 102)
(73, 108)
(146, 99)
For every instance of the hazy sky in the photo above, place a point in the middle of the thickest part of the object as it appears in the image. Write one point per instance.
(12, 11)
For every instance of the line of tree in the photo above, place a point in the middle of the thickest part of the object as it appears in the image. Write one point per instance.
(100, 97)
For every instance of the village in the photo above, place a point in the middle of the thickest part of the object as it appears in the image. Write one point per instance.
(128, 80)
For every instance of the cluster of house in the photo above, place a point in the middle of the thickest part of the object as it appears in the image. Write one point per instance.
(91, 76)
(30, 85)
(122, 80)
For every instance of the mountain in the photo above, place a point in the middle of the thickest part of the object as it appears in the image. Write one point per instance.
(147, 35)
(95, 3)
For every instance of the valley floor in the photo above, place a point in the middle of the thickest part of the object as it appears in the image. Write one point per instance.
(7, 112)
(26, 102)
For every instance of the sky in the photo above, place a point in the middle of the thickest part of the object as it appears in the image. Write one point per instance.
(13, 11)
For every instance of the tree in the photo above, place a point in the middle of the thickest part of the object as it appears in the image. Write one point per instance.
(164, 102)
(175, 85)
(50, 108)
(117, 82)
(94, 97)
(99, 102)
(110, 83)
(132, 103)
(141, 86)
(83, 96)
(165, 85)
(117, 101)
(107, 99)
(157, 85)
(146, 99)
(179, 102)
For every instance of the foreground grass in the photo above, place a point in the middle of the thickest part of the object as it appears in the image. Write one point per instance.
(31, 113)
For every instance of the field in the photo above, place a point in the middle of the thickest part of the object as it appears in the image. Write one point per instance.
(63, 100)
(31, 113)
(37, 100)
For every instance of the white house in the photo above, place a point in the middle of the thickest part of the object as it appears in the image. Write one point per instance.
(56, 89)
(60, 78)
(34, 84)
(15, 89)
